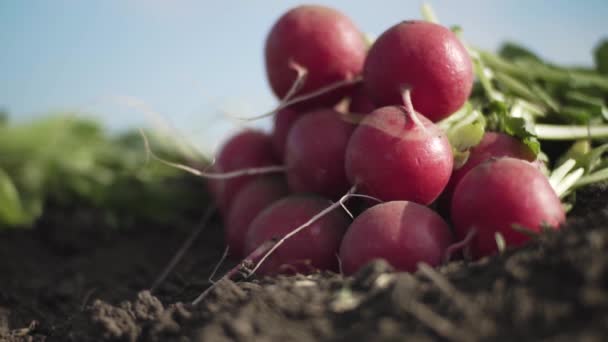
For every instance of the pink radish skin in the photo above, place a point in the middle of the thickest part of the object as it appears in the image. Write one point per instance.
(247, 149)
(314, 154)
(314, 247)
(360, 102)
(425, 57)
(403, 233)
(391, 157)
(499, 193)
(492, 145)
(323, 41)
(283, 121)
(248, 203)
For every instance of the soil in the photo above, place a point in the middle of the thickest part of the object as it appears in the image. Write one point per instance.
(72, 278)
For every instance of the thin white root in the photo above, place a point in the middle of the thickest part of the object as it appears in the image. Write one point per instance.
(302, 74)
(204, 294)
(304, 97)
(255, 259)
(366, 197)
(241, 269)
(183, 249)
(219, 264)
(161, 124)
(302, 227)
(213, 175)
(463, 244)
(346, 210)
(346, 197)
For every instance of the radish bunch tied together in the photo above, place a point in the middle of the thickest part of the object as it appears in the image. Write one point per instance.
(385, 151)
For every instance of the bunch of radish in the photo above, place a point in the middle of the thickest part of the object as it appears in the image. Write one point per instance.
(356, 165)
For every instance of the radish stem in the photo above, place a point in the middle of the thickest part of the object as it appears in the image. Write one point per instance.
(429, 14)
(409, 107)
(571, 132)
(598, 176)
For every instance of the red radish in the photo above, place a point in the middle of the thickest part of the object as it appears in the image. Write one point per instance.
(323, 41)
(491, 145)
(498, 194)
(403, 233)
(283, 120)
(246, 149)
(314, 247)
(360, 102)
(314, 155)
(247, 204)
(425, 57)
(395, 154)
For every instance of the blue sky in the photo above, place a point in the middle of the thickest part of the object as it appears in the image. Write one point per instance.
(190, 60)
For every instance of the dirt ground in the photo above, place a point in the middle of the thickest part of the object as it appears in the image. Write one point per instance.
(73, 279)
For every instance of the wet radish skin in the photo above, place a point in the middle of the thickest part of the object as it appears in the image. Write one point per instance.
(247, 149)
(315, 151)
(254, 197)
(391, 157)
(492, 145)
(403, 233)
(283, 121)
(360, 102)
(425, 57)
(499, 193)
(323, 41)
(315, 247)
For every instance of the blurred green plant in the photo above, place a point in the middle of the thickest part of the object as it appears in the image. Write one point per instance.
(601, 57)
(69, 161)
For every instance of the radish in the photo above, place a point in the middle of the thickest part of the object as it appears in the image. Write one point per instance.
(314, 155)
(425, 57)
(498, 194)
(315, 247)
(322, 41)
(247, 204)
(395, 154)
(403, 233)
(247, 149)
(283, 120)
(360, 102)
(491, 145)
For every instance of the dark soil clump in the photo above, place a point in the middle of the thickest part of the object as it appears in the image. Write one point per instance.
(72, 280)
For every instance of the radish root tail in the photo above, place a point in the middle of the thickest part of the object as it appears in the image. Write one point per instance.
(304, 97)
(460, 245)
(255, 259)
(211, 175)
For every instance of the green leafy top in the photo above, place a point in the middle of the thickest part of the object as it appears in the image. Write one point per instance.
(520, 94)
